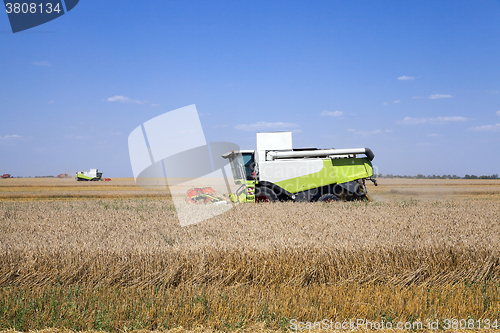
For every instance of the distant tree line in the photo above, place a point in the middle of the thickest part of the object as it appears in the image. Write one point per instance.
(420, 176)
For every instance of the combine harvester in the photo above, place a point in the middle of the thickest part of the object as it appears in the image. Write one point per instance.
(92, 175)
(6, 175)
(276, 171)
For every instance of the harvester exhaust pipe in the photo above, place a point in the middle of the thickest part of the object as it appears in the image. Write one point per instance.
(272, 155)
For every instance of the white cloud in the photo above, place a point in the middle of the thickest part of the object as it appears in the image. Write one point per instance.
(438, 96)
(51, 102)
(406, 78)
(396, 101)
(41, 63)
(423, 144)
(434, 121)
(412, 121)
(332, 113)
(416, 97)
(124, 99)
(76, 137)
(498, 113)
(385, 103)
(263, 125)
(435, 135)
(389, 131)
(13, 136)
(155, 105)
(221, 126)
(447, 119)
(486, 128)
(364, 133)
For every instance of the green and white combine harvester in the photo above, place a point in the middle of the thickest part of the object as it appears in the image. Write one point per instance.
(278, 172)
(93, 175)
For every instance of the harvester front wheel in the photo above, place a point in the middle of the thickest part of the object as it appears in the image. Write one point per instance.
(328, 198)
(264, 194)
(365, 195)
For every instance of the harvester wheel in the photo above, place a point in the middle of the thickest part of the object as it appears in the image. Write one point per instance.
(264, 194)
(368, 198)
(328, 198)
(365, 195)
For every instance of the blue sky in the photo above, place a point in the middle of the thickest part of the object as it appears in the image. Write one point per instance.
(418, 82)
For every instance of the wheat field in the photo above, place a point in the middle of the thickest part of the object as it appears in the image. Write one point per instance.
(119, 264)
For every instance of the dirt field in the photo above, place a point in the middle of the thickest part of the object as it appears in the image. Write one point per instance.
(434, 189)
(15, 189)
(22, 189)
(110, 256)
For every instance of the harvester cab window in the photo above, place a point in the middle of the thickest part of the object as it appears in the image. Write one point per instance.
(236, 162)
(242, 166)
(249, 164)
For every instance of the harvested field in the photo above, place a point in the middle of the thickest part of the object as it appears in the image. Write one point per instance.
(435, 189)
(118, 264)
(28, 189)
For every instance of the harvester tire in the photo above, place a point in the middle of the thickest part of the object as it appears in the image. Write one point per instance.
(365, 196)
(328, 198)
(368, 198)
(265, 194)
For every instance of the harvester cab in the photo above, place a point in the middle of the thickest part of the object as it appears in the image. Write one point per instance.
(277, 171)
(244, 172)
(242, 165)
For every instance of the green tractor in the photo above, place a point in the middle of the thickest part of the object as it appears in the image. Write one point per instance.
(278, 172)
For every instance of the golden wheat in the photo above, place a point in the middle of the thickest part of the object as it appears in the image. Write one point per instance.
(401, 243)
(127, 264)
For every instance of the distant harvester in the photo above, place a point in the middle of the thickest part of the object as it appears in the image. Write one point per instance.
(92, 175)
